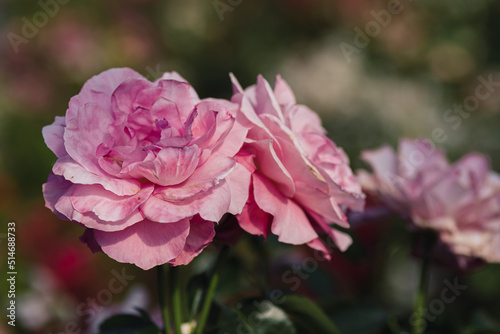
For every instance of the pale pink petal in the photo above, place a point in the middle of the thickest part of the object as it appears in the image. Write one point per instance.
(89, 219)
(244, 103)
(53, 135)
(55, 187)
(383, 162)
(124, 96)
(235, 139)
(321, 203)
(216, 202)
(253, 219)
(180, 94)
(206, 176)
(201, 233)
(239, 185)
(290, 222)
(210, 205)
(417, 155)
(172, 165)
(99, 88)
(265, 99)
(271, 166)
(212, 124)
(304, 120)
(146, 244)
(75, 173)
(341, 239)
(283, 93)
(85, 132)
(319, 245)
(177, 77)
(106, 205)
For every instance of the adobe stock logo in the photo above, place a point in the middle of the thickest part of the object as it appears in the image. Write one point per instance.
(438, 305)
(372, 29)
(30, 28)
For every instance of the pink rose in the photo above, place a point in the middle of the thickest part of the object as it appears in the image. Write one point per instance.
(461, 202)
(142, 165)
(300, 181)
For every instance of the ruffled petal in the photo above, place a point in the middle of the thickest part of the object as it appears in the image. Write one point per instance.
(210, 205)
(85, 132)
(106, 205)
(74, 172)
(290, 223)
(201, 233)
(202, 179)
(171, 166)
(53, 135)
(146, 244)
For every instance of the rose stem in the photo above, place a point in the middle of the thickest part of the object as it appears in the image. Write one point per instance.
(162, 295)
(214, 279)
(419, 323)
(176, 298)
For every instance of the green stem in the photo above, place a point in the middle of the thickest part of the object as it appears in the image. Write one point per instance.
(162, 294)
(214, 279)
(176, 298)
(419, 321)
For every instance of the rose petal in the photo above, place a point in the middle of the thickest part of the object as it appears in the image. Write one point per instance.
(271, 166)
(290, 223)
(89, 219)
(206, 176)
(85, 132)
(146, 244)
(172, 165)
(253, 219)
(75, 173)
(177, 77)
(266, 102)
(210, 205)
(239, 185)
(99, 88)
(55, 187)
(283, 93)
(53, 136)
(201, 233)
(106, 205)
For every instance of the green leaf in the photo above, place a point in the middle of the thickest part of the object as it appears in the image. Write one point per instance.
(196, 287)
(128, 324)
(265, 318)
(252, 316)
(308, 315)
(226, 320)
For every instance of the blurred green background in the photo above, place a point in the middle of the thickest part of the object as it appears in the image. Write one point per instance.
(372, 76)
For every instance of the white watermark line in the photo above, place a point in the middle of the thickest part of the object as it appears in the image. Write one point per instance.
(11, 265)
(454, 115)
(92, 306)
(437, 306)
(362, 39)
(31, 28)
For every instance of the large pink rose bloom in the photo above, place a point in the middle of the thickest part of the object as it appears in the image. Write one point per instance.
(460, 202)
(142, 166)
(299, 181)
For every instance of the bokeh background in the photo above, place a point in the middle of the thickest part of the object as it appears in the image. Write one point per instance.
(370, 85)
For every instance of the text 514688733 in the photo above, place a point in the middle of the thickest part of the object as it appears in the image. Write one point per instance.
(11, 273)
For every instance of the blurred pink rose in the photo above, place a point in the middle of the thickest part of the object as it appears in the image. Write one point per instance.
(300, 181)
(461, 202)
(142, 165)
